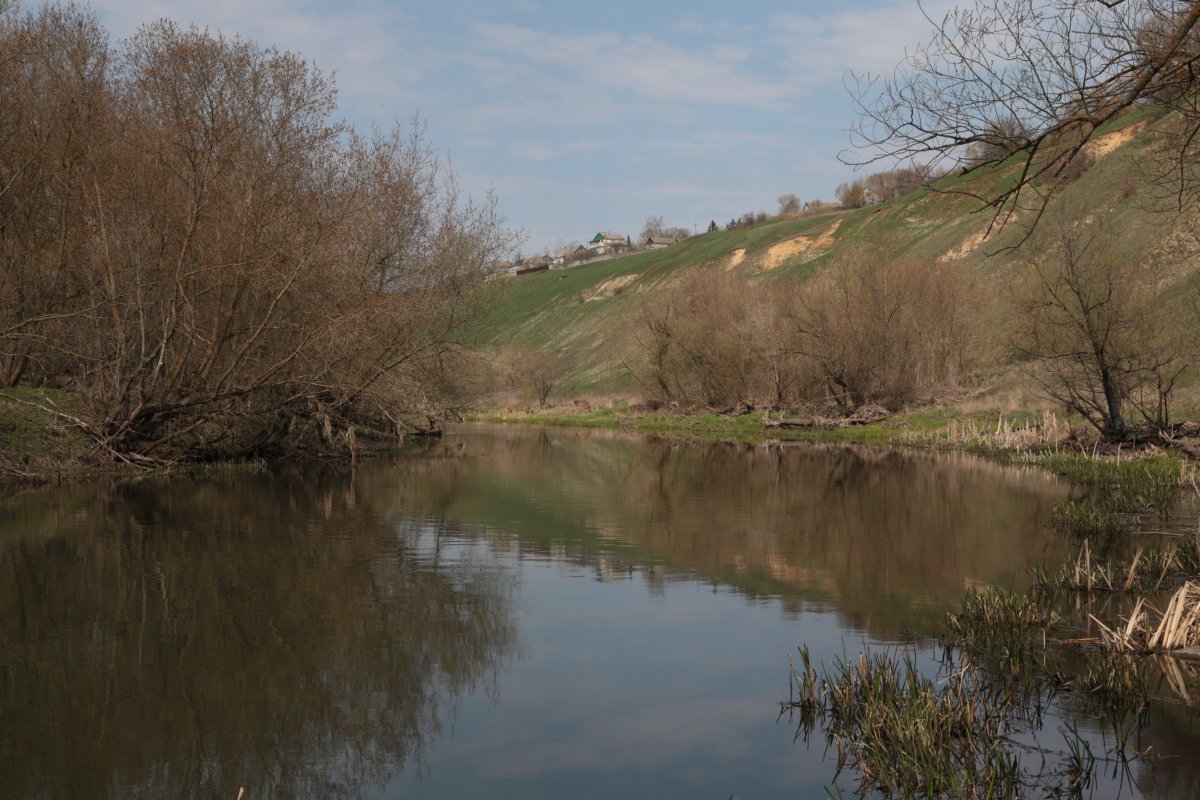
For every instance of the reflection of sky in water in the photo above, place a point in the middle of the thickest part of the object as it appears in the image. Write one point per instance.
(620, 692)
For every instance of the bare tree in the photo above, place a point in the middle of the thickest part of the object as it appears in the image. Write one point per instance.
(55, 133)
(654, 227)
(532, 371)
(1038, 78)
(1093, 318)
(884, 331)
(852, 194)
(789, 204)
(213, 264)
(718, 341)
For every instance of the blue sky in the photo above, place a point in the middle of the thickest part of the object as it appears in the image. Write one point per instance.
(585, 116)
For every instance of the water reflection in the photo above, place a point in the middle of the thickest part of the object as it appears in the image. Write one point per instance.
(886, 538)
(185, 639)
(597, 614)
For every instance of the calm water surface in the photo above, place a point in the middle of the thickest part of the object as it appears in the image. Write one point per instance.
(511, 613)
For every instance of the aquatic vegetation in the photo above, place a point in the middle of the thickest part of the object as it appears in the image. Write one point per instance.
(1147, 570)
(1147, 630)
(906, 734)
(1002, 625)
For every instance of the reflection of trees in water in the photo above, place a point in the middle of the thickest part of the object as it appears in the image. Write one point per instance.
(879, 535)
(182, 640)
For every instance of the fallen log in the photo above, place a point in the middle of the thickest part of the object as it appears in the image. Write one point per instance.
(863, 415)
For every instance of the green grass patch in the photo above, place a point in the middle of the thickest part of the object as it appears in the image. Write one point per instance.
(706, 426)
(33, 440)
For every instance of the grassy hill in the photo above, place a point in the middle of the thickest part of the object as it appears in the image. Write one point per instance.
(586, 316)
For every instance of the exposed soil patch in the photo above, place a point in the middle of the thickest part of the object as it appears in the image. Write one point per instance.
(972, 243)
(968, 246)
(1103, 145)
(610, 288)
(785, 251)
(736, 257)
(825, 240)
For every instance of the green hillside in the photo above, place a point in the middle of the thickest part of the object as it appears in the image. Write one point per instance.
(587, 316)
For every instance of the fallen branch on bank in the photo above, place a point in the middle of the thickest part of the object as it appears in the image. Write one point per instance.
(863, 415)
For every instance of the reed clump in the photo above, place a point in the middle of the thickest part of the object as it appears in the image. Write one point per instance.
(1147, 630)
(906, 735)
(1047, 433)
(1130, 486)
(973, 732)
(1113, 492)
(1001, 624)
(1147, 570)
(1113, 682)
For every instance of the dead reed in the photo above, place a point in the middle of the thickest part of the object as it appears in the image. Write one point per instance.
(1008, 436)
(1148, 570)
(1148, 631)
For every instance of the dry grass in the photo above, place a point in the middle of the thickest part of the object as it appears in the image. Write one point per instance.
(1049, 432)
(1147, 631)
(1146, 571)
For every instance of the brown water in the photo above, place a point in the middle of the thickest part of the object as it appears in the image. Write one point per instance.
(508, 613)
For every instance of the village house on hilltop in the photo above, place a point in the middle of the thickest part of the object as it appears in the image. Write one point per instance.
(605, 241)
(602, 247)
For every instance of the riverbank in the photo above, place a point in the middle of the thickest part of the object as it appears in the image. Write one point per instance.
(1018, 435)
(39, 444)
(747, 428)
(35, 447)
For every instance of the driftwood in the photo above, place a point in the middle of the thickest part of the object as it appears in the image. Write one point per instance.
(863, 415)
(1181, 444)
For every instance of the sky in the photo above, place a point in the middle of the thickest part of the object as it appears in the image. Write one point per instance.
(588, 117)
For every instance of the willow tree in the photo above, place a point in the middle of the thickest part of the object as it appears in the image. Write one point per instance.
(211, 260)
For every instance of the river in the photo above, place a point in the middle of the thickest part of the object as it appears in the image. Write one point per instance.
(507, 612)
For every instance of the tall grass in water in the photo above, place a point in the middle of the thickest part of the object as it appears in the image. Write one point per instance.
(1147, 630)
(905, 734)
(1114, 491)
(1147, 570)
(1006, 435)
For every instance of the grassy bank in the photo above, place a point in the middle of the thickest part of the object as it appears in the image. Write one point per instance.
(34, 444)
(713, 427)
(1004, 436)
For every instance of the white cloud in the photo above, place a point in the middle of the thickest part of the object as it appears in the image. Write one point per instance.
(822, 48)
(588, 145)
(533, 150)
(640, 65)
(366, 44)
